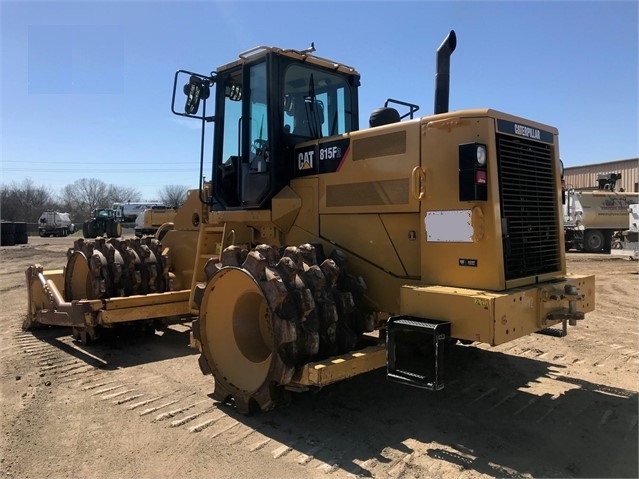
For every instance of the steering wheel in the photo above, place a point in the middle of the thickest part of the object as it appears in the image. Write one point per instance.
(259, 146)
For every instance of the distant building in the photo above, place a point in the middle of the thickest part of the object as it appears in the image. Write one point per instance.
(586, 175)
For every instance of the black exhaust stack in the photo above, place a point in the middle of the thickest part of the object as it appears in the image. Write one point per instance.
(442, 77)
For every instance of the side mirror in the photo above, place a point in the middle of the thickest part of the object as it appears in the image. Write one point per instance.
(195, 90)
(233, 92)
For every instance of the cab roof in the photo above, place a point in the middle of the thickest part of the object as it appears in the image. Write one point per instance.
(304, 56)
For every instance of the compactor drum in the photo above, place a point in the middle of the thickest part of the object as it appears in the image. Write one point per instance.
(97, 271)
(107, 268)
(267, 312)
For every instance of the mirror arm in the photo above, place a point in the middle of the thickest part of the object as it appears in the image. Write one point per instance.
(208, 81)
(202, 138)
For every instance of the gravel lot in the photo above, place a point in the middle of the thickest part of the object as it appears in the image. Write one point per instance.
(139, 407)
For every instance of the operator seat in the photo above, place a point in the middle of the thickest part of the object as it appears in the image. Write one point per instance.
(383, 116)
(308, 117)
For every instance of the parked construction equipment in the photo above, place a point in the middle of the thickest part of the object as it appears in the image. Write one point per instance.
(148, 222)
(593, 215)
(129, 212)
(627, 243)
(103, 222)
(319, 250)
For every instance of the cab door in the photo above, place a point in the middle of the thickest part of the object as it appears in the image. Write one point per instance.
(242, 148)
(255, 168)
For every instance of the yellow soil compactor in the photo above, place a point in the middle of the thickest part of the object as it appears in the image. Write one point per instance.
(320, 250)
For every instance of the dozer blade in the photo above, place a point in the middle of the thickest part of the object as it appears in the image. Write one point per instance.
(46, 305)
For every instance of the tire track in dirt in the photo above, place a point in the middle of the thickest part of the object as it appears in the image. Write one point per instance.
(145, 395)
(525, 392)
(141, 396)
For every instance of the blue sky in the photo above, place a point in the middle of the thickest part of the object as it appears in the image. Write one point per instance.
(86, 86)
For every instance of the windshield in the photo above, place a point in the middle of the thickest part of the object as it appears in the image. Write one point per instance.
(316, 103)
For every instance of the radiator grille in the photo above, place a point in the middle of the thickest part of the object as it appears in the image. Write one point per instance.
(528, 207)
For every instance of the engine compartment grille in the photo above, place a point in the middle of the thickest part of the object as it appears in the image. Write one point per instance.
(528, 207)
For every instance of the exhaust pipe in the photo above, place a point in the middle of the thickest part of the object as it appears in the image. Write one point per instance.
(442, 76)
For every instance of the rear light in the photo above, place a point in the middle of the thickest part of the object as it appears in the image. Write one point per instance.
(473, 175)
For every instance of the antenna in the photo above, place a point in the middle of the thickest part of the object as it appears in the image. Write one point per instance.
(310, 49)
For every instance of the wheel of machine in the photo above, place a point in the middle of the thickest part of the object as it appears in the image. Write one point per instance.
(238, 342)
(87, 230)
(77, 278)
(262, 315)
(96, 228)
(88, 274)
(113, 229)
(105, 268)
(594, 241)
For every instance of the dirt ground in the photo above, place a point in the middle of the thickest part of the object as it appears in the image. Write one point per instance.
(139, 407)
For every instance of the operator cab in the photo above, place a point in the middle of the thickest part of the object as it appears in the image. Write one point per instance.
(266, 103)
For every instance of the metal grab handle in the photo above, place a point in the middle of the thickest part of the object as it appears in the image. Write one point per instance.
(232, 236)
(418, 178)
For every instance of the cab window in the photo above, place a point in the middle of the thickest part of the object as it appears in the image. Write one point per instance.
(316, 103)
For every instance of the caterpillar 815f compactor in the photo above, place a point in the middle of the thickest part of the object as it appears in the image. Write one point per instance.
(320, 250)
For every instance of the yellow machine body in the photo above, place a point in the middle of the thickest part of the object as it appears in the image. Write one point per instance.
(450, 221)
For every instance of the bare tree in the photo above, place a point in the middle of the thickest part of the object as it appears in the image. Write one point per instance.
(84, 195)
(173, 195)
(24, 201)
(122, 194)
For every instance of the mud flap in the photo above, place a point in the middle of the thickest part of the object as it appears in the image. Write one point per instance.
(415, 351)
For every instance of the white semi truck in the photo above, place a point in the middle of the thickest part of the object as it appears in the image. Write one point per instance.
(128, 212)
(593, 215)
(54, 223)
